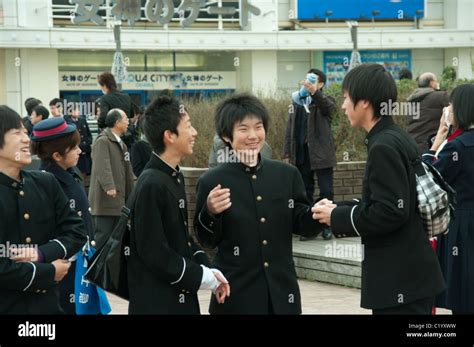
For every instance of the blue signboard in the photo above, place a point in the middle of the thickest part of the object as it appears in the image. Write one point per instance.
(360, 9)
(336, 63)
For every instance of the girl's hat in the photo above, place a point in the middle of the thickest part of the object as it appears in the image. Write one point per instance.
(51, 128)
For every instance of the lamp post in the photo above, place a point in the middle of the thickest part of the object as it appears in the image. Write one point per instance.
(328, 14)
(355, 55)
(119, 69)
(417, 22)
(375, 13)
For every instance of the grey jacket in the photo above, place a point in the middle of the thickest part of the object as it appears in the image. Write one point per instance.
(111, 169)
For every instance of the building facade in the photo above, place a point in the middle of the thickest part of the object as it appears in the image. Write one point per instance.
(200, 48)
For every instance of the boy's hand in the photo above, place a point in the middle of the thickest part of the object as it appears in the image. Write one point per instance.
(23, 255)
(61, 267)
(323, 213)
(218, 200)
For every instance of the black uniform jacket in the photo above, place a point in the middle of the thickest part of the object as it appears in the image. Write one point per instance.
(399, 265)
(71, 182)
(35, 212)
(254, 236)
(164, 272)
(140, 154)
(85, 162)
(113, 99)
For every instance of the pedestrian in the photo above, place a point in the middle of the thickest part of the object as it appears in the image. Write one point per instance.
(38, 227)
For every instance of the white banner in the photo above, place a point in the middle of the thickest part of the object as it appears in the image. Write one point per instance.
(185, 80)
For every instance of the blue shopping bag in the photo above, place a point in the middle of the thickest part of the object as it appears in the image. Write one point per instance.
(89, 298)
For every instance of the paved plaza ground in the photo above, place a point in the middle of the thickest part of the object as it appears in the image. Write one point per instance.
(316, 297)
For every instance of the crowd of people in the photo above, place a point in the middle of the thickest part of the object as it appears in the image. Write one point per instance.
(48, 217)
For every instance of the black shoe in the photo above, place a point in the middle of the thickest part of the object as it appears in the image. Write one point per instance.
(327, 234)
(306, 238)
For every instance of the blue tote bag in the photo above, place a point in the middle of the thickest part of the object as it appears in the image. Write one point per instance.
(89, 298)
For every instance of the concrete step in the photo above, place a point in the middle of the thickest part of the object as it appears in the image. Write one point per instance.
(336, 261)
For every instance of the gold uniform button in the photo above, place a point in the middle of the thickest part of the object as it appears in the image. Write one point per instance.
(259, 198)
(38, 291)
(93, 243)
(28, 239)
(43, 291)
(22, 193)
(265, 242)
(26, 216)
(189, 244)
(266, 264)
(263, 220)
(254, 177)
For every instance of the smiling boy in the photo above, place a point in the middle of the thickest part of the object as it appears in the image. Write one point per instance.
(248, 208)
(37, 222)
(166, 268)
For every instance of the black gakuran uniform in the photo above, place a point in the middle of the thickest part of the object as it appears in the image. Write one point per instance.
(164, 272)
(254, 236)
(35, 211)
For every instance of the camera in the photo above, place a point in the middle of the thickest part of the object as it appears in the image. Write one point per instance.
(310, 78)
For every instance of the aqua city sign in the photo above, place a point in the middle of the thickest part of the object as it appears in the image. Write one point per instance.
(159, 11)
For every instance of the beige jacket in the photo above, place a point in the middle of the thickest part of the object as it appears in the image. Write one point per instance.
(111, 169)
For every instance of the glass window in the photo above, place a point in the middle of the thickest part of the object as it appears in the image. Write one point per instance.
(159, 61)
(210, 61)
(220, 61)
(189, 61)
(1, 12)
(83, 60)
(73, 60)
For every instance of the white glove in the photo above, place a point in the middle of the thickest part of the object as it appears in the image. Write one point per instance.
(209, 280)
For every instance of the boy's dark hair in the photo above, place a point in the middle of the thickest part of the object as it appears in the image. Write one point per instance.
(45, 149)
(56, 102)
(405, 74)
(41, 111)
(462, 99)
(108, 80)
(321, 75)
(235, 109)
(370, 82)
(112, 117)
(136, 109)
(28, 99)
(9, 120)
(163, 113)
(30, 104)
